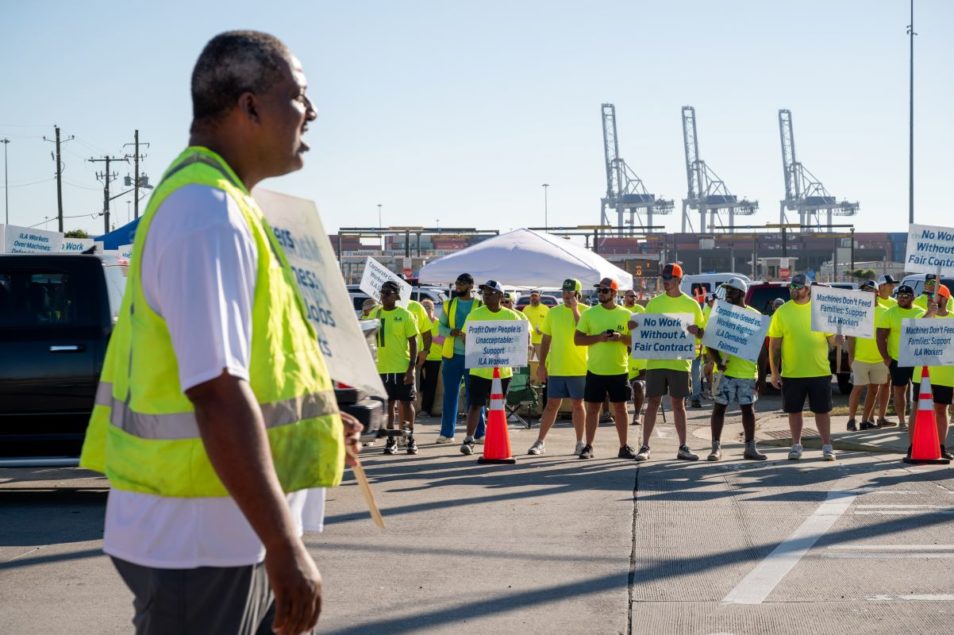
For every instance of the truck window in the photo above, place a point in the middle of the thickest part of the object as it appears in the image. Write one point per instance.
(32, 300)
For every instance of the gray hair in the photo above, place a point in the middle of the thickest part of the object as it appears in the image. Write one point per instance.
(231, 64)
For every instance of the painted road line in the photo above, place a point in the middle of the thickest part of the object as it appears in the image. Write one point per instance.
(900, 506)
(889, 552)
(916, 597)
(762, 580)
(893, 548)
(903, 512)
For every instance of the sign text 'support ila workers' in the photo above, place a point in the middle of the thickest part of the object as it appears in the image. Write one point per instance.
(928, 342)
(496, 343)
(844, 311)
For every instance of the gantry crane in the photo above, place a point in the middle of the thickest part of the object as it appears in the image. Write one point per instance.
(803, 192)
(707, 193)
(625, 191)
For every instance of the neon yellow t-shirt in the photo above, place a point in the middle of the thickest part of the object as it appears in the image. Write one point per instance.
(635, 365)
(739, 367)
(682, 303)
(922, 302)
(887, 303)
(484, 314)
(866, 348)
(606, 358)
(536, 314)
(940, 375)
(396, 327)
(437, 342)
(891, 319)
(804, 351)
(423, 322)
(564, 359)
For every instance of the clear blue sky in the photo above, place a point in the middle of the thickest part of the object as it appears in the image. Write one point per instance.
(460, 111)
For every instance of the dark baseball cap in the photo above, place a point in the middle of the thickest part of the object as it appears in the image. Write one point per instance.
(670, 271)
(887, 279)
(930, 276)
(465, 277)
(390, 285)
(799, 280)
(572, 284)
(869, 285)
(493, 285)
(905, 288)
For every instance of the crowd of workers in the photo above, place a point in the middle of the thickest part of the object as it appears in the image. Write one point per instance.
(583, 357)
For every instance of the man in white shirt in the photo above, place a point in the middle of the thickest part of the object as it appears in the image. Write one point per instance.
(226, 555)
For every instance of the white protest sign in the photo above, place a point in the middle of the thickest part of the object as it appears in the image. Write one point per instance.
(930, 250)
(497, 343)
(125, 251)
(76, 245)
(26, 240)
(926, 342)
(736, 330)
(663, 336)
(843, 311)
(298, 228)
(375, 274)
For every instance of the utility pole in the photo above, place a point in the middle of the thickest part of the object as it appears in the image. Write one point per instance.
(59, 173)
(911, 35)
(6, 186)
(137, 180)
(546, 209)
(106, 176)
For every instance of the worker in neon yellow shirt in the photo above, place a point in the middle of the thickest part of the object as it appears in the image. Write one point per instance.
(930, 287)
(397, 350)
(798, 358)
(670, 376)
(430, 371)
(637, 367)
(535, 312)
(888, 334)
(868, 371)
(886, 286)
(942, 377)
(562, 365)
(604, 329)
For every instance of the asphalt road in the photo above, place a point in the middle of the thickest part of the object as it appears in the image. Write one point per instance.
(555, 544)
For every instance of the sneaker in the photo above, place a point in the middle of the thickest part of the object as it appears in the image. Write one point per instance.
(643, 454)
(869, 425)
(852, 427)
(828, 453)
(634, 422)
(536, 448)
(579, 448)
(411, 445)
(443, 439)
(381, 433)
(467, 447)
(884, 423)
(716, 453)
(696, 403)
(479, 440)
(685, 454)
(752, 452)
(945, 454)
(796, 452)
(908, 453)
(626, 452)
(391, 446)
(586, 452)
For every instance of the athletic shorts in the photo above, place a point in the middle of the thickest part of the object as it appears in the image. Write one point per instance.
(943, 395)
(479, 389)
(900, 375)
(663, 381)
(598, 387)
(796, 389)
(866, 373)
(565, 387)
(396, 388)
(736, 389)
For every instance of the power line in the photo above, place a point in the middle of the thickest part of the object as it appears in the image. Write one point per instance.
(28, 183)
(106, 176)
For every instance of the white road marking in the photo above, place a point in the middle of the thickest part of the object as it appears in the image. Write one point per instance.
(762, 580)
(941, 597)
(889, 552)
(888, 556)
(893, 548)
(902, 512)
(900, 506)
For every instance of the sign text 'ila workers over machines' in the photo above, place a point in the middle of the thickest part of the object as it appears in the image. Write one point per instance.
(930, 250)
(496, 343)
(735, 330)
(663, 336)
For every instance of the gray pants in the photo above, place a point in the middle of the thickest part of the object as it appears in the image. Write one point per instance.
(220, 600)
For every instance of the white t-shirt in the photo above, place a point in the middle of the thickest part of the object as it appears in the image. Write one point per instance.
(198, 273)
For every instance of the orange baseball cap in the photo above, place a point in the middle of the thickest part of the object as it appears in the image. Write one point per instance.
(672, 270)
(943, 290)
(608, 283)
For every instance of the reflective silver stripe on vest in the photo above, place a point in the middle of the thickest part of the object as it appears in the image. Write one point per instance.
(182, 425)
(104, 394)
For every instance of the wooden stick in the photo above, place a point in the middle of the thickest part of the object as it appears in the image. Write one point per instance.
(838, 354)
(365, 488)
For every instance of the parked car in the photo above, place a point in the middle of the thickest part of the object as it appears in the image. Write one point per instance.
(434, 294)
(705, 284)
(56, 316)
(547, 300)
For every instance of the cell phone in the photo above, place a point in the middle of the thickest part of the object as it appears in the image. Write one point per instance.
(609, 331)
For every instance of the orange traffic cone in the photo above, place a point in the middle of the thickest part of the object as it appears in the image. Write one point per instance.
(925, 447)
(497, 441)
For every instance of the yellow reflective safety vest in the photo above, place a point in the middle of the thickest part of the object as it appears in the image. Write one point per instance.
(143, 433)
(450, 310)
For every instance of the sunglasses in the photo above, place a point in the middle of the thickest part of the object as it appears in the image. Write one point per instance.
(796, 286)
(388, 292)
(603, 290)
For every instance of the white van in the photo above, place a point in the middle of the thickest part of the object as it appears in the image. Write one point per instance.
(708, 283)
(916, 280)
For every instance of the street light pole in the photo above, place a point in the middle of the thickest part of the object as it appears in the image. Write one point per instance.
(6, 186)
(546, 211)
(911, 35)
(380, 227)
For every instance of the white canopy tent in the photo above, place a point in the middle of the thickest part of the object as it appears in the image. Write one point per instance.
(525, 258)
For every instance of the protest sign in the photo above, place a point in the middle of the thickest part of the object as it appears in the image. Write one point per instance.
(497, 343)
(930, 250)
(736, 330)
(843, 311)
(298, 229)
(76, 245)
(27, 240)
(375, 274)
(927, 342)
(663, 336)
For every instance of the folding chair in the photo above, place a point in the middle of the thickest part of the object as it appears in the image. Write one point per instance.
(522, 393)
